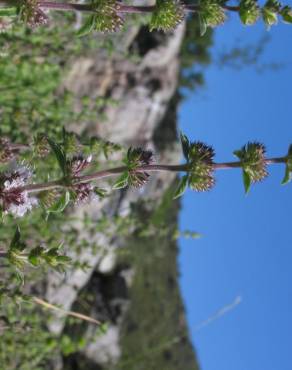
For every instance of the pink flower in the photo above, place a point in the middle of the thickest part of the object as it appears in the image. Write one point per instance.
(14, 199)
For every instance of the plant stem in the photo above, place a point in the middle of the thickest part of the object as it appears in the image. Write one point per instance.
(228, 165)
(35, 188)
(121, 8)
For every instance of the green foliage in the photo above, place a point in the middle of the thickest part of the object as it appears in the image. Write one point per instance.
(18, 256)
(147, 342)
(286, 13)
(288, 172)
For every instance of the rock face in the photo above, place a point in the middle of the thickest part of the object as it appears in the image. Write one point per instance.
(143, 92)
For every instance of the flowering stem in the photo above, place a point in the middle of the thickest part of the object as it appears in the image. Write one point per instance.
(35, 188)
(121, 8)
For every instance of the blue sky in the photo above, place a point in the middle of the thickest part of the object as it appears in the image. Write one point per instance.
(246, 248)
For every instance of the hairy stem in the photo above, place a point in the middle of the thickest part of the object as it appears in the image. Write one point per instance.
(35, 188)
(121, 8)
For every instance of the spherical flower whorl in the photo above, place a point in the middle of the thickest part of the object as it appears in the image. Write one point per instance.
(253, 161)
(48, 198)
(13, 198)
(167, 15)
(211, 13)
(84, 193)
(137, 157)
(32, 14)
(106, 17)
(138, 179)
(249, 11)
(201, 174)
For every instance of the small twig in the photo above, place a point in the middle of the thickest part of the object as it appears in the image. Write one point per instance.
(78, 315)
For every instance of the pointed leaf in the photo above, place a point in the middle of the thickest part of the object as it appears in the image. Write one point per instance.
(181, 187)
(34, 256)
(8, 11)
(87, 27)
(246, 181)
(60, 155)
(122, 181)
(61, 204)
(203, 25)
(288, 171)
(185, 145)
(16, 244)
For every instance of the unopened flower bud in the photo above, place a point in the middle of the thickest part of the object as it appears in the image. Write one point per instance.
(6, 153)
(41, 145)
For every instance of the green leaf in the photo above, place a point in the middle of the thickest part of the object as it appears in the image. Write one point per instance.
(122, 181)
(185, 145)
(60, 155)
(100, 192)
(286, 13)
(87, 27)
(181, 187)
(16, 244)
(61, 204)
(63, 260)
(288, 175)
(8, 12)
(238, 154)
(16, 239)
(246, 181)
(203, 25)
(19, 276)
(34, 256)
(288, 172)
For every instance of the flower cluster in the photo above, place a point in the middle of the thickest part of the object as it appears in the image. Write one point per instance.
(137, 157)
(78, 164)
(253, 163)
(211, 15)
(106, 16)
(201, 177)
(32, 14)
(167, 15)
(249, 11)
(78, 188)
(13, 198)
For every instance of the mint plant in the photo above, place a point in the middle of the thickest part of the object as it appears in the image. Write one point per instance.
(109, 15)
(77, 182)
